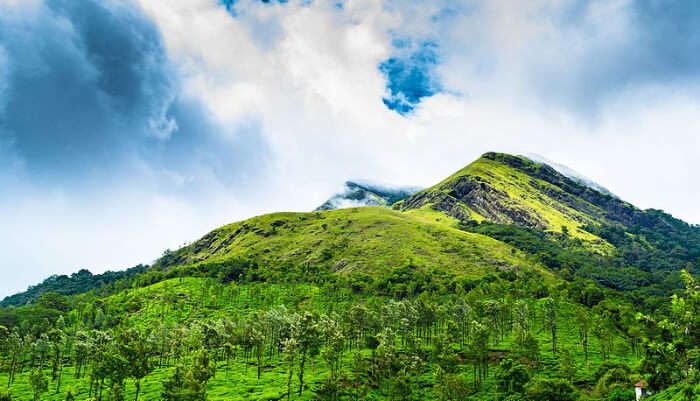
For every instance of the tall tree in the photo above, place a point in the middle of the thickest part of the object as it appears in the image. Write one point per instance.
(136, 350)
(566, 364)
(202, 369)
(583, 323)
(550, 319)
(57, 339)
(289, 351)
(306, 333)
(511, 377)
(479, 350)
(334, 344)
(182, 386)
(15, 346)
(39, 383)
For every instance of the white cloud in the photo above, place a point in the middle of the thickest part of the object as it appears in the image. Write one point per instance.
(528, 79)
(316, 88)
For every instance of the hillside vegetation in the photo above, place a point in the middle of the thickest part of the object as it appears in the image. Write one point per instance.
(506, 281)
(569, 227)
(369, 240)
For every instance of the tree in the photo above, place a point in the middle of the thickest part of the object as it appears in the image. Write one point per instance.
(4, 337)
(546, 389)
(511, 377)
(100, 319)
(306, 333)
(443, 352)
(334, 344)
(672, 345)
(359, 379)
(116, 392)
(57, 339)
(69, 394)
(202, 369)
(41, 348)
(479, 352)
(566, 364)
(39, 383)
(15, 346)
(494, 310)
(603, 331)
(386, 359)
(53, 300)
(584, 323)
(550, 320)
(621, 394)
(182, 386)
(256, 337)
(136, 351)
(450, 386)
(521, 322)
(105, 361)
(289, 350)
(531, 349)
(81, 349)
(463, 315)
(400, 387)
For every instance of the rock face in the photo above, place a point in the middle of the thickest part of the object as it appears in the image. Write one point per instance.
(478, 196)
(511, 189)
(362, 193)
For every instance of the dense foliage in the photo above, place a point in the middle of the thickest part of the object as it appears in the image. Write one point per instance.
(646, 275)
(76, 283)
(231, 334)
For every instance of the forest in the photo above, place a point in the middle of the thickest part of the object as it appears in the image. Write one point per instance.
(224, 332)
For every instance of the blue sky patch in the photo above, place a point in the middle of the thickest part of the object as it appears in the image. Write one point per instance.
(231, 4)
(410, 76)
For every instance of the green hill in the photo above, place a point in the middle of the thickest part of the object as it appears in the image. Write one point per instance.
(515, 190)
(499, 213)
(506, 281)
(508, 189)
(468, 225)
(369, 240)
(567, 225)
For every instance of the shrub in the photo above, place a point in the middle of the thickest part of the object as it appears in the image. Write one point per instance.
(544, 389)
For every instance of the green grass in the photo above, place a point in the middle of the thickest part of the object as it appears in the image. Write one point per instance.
(673, 393)
(236, 384)
(371, 240)
(194, 298)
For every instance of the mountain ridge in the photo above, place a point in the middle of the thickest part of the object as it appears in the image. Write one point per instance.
(570, 173)
(511, 189)
(365, 193)
(465, 266)
(368, 240)
(496, 188)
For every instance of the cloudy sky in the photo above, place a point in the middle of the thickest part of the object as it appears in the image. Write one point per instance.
(132, 126)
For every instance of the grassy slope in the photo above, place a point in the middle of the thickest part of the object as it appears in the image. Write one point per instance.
(372, 240)
(523, 196)
(203, 298)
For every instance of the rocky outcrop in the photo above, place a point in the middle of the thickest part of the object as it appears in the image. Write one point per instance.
(476, 194)
(574, 194)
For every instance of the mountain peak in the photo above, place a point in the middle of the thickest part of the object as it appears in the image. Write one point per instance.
(366, 193)
(510, 189)
(569, 172)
